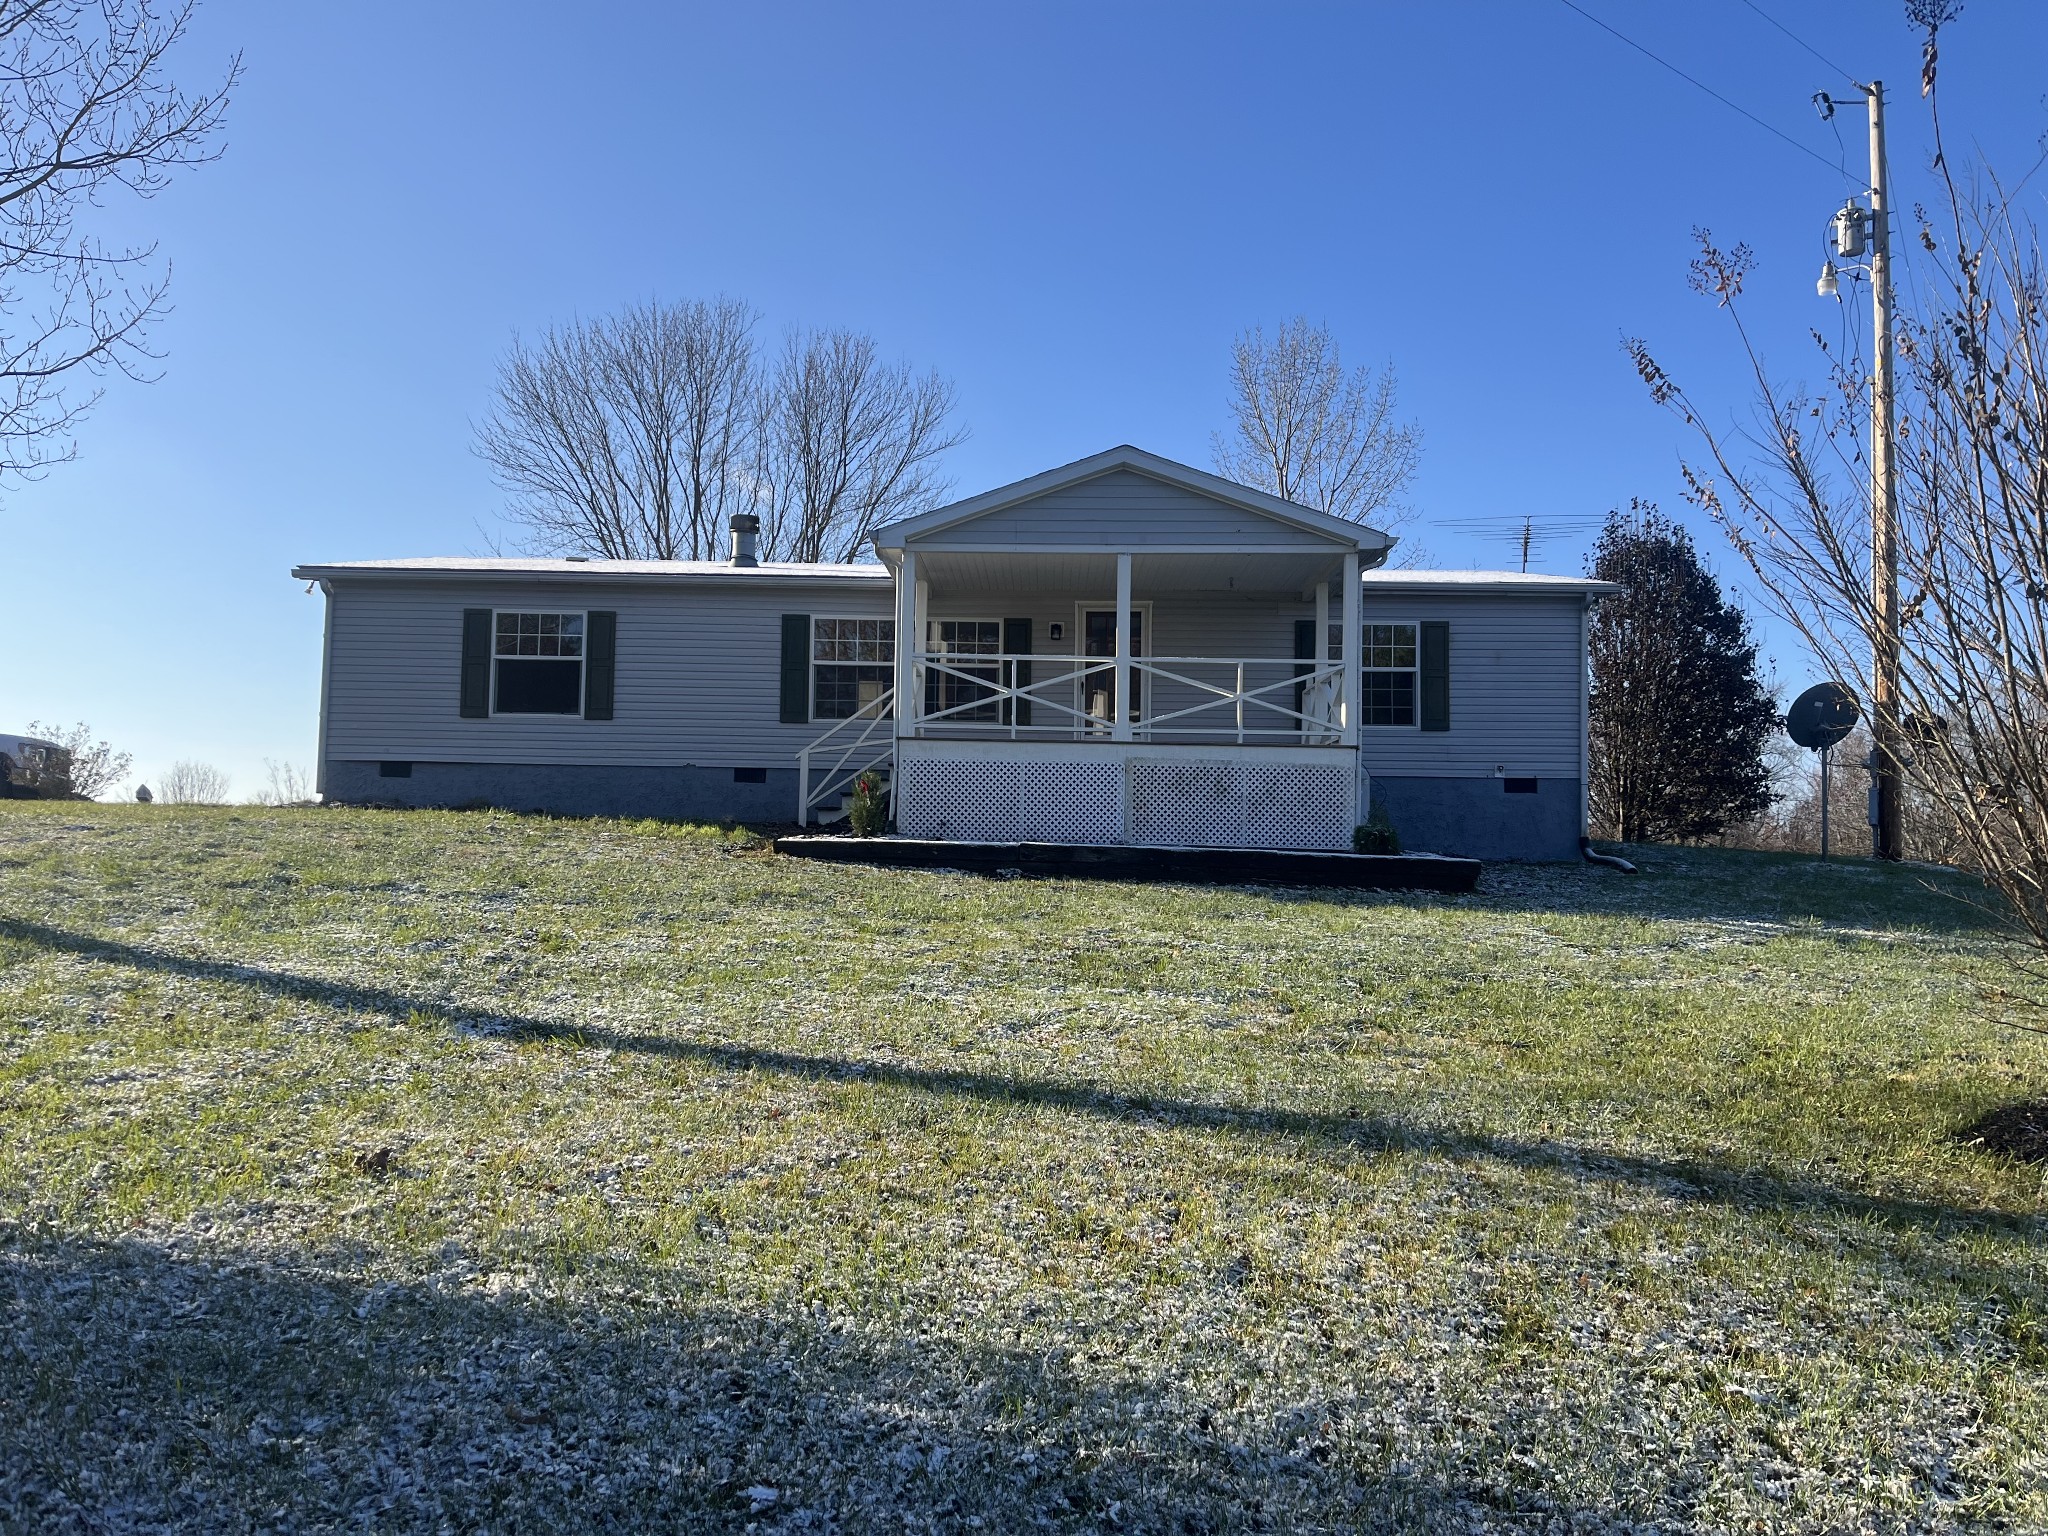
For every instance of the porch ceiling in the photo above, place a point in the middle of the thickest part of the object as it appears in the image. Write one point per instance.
(1061, 571)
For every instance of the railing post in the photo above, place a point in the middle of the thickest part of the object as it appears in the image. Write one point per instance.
(1120, 725)
(1240, 703)
(907, 644)
(803, 788)
(1354, 652)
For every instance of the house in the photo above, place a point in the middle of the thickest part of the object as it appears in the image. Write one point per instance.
(1122, 650)
(32, 768)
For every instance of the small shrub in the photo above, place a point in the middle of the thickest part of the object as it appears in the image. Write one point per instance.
(868, 806)
(190, 783)
(1376, 834)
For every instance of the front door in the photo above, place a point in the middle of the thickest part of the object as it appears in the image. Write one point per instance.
(1098, 638)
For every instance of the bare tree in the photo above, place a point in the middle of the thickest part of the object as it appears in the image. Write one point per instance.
(630, 438)
(94, 766)
(86, 107)
(192, 783)
(1972, 445)
(1306, 429)
(288, 785)
(848, 443)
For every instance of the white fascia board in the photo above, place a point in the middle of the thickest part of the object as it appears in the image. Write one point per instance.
(609, 573)
(1342, 531)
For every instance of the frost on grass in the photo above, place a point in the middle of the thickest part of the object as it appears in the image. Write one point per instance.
(429, 1172)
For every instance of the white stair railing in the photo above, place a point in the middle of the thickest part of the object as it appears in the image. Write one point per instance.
(857, 755)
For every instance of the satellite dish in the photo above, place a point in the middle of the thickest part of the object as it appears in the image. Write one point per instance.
(1821, 716)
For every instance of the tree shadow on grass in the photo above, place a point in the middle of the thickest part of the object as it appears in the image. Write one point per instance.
(148, 1387)
(1683, 1179)
(1845, 901)
(1741, 885)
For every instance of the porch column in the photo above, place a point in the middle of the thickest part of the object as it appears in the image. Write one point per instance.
(1120, 727)
(907, 638)
(1354, 651)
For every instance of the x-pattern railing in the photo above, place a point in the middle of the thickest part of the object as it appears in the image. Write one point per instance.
(992, 676)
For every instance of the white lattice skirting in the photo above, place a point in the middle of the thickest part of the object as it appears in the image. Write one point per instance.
(1174, 803)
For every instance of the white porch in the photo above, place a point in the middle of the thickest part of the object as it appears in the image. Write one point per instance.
(1124, 651)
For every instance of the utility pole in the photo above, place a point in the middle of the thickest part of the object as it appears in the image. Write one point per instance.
(1884, 519)
(1853, 227)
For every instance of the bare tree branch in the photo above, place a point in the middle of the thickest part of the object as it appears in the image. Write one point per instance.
(632, 438)
(85, 105)
(1306, 430)
(848, 443)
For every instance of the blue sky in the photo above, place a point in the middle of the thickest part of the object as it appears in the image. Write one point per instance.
(1069, 210)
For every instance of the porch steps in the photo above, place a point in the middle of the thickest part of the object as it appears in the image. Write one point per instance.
(1196, 866)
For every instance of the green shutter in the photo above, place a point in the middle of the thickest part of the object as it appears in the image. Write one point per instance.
(1017, 641)
(796, 669)
(1435, 682)
(1304, 650)
(600, 664)
(476, 663)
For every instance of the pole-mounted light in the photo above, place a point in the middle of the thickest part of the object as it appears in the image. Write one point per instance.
(1829, 286)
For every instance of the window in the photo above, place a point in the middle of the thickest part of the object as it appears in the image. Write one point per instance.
(537, 664)
(1388, 666)
(971, 697)
(853, 662)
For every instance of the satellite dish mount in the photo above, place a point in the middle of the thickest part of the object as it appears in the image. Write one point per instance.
(1818, 719)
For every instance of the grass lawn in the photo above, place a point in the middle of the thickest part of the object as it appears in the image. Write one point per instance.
(472, 1172)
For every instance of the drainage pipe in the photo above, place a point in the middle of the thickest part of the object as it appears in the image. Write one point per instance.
(1593, 856)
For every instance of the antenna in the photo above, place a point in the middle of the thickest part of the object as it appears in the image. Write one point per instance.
(1526, 534)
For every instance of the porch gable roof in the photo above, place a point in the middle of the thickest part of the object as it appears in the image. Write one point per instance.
(1334, 534)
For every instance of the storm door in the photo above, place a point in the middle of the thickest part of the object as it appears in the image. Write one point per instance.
(1098, 684)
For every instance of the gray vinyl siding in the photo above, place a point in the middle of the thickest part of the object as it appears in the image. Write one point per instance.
(1122, 510)
(699, 667)
(697, 682)
(1516, 675)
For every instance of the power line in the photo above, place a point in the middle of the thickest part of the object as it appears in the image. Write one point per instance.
(1702, 85)
(1802, 42)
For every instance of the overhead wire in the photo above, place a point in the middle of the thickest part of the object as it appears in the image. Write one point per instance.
(1802, 42)
(1696, 82)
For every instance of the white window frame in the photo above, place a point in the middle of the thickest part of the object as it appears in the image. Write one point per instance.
(582, 660)
(1365, 669)
(811, 677)
(966, 658)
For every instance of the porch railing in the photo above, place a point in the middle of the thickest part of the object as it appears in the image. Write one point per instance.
(828, 767)
(1231, 701)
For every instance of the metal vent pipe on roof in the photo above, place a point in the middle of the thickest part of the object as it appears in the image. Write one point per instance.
(746, 534)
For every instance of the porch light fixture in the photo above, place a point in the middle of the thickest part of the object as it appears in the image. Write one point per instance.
(1056, 630)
